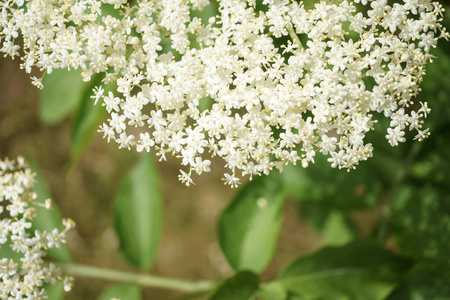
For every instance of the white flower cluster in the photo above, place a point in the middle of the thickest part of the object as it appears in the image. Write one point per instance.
(283, 81)
(24, 276)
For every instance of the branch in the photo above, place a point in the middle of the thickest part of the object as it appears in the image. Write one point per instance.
(144, 280)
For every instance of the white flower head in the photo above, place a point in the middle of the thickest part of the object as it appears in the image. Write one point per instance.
(29, 273)
(233, 91)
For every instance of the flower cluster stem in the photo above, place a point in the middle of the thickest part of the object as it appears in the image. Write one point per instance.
(294, 37)
(144, 280)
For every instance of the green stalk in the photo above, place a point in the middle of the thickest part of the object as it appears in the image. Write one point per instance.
(294, 37)
(144, 280)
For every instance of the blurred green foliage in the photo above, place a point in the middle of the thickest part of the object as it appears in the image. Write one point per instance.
(358, 270)
(241, 286)
(122, 292)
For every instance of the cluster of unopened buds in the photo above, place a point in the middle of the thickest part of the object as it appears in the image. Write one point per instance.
(260, 84)
(24, 276)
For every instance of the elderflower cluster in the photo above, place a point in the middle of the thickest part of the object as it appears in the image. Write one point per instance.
(24, 274)
(260, 84)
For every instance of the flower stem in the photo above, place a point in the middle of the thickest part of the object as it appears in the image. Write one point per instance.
(294, 37)
(144, 280)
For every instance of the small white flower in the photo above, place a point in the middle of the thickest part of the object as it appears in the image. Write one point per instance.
(37, 82)
(98, 93)
(395, 136)
(68, 283)
(185, 178)
(231, 180)
(111, 102)
(125, 141)
(145, 142)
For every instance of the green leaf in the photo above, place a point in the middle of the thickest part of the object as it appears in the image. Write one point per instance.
(205, 103)
(337, 230)
(336, 226)
(359, 270)
(7, 252)
(239, 287)
(109, 10)
(122, 292)
(87, 119)
(422, 285)
(271, 291)
(54, 292)
(248, 227)
(48, 219)
(211, 10)
(437, 76)
(61, 95)
(138, 215)
(421, 224)
(293, 296)
(321, 185)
